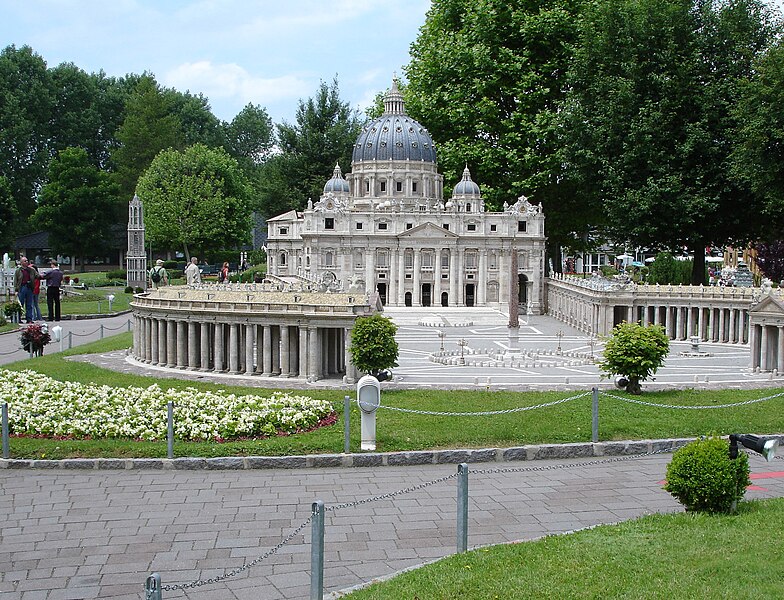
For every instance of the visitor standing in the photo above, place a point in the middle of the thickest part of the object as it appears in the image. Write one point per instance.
(223, 276)
(36, 293)
(158, 275)
(23, 285)
(54, 279)
(192, 274)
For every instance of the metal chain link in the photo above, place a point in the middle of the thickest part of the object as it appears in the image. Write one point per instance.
(643, 403)
(560, 466)
(238, 570)
(11, 352)
(407, 490)
(116, 328)
(84, 334)
(487, 412)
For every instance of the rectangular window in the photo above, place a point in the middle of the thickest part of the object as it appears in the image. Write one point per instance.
(409, 260)
(399, 186)
(427, 259)
(367, 185)
(470, 260)
(359, 226)
(493, 228)
(382, 226)
(329, 223)
(382, 260)
(471, 227)
(383, 186)
(444, 261)
(283, 231)
(521, 226)
(414, 187)
(409, 225)
(445, 226)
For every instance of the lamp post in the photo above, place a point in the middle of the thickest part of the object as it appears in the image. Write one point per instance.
(559, 334)
(592, 344)
(110, 298)
(441, 336)
(462, 343)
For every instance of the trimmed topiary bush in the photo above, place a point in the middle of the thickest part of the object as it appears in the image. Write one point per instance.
(129, 289)
(704, 478)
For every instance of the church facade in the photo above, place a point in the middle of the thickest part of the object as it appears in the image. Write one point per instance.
(386, 228)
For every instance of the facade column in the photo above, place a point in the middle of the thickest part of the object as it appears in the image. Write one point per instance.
(234, 355)
(764, 363)
(416, 297)
(780, 349)
(656, 317)
(220, 360)
(303, 352)
(503, 278)
(394, 282)
(285, 349)
(171, 343)
(401, 278)
(205, 347)
(481, 292)
(437, 279)
(314, 354)
(460, 299)
(193, 346)
(453, 283)
(249, 339)
(275, 350)
(267, 351)
(370, 270)
(754, 349)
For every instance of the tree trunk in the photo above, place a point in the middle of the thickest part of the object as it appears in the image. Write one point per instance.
(187, 253)
(634, 386)
(698, 270)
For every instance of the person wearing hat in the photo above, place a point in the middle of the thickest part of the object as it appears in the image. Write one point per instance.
(158, 275)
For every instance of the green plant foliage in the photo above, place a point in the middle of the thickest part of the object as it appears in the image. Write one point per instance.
(703, 477)
(373, 347)
(634, 351)
(116, 274)
(129, 289)
(12, 308)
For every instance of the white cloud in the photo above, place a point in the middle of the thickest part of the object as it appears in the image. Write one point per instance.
(232, 81)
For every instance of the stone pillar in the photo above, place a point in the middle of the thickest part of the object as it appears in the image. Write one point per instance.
(150, 341)
(293, 352)
(303, 352)
(743, 327)
(656, 317)
(416, 297)
(481, 291)
(437, 279)
(394, 282)
(454, 297)
(711, 325)
(205, 347)
(401, 279)
(267, 351)
(764, 362)
(250, 330)
(460, 299)
(234, 355)
(182, 344)
(193, 346)
(285, 362)
(754, 348)
(732, 338)
(351, 372)
(162, 329)
(220, 357)
(275, 350)
(171, 343)
(370, 270)
(314, 354)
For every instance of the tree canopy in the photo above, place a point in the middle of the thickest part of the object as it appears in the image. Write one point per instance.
(373, 346)
(74, 204)
(197, 198)
(634, 351)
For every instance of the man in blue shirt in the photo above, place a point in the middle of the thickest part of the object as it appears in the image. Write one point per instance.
(54, 280)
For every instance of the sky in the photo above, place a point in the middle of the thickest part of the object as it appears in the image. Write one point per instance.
(270, 53)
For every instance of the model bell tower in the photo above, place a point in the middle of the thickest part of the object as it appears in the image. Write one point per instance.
(136, 259)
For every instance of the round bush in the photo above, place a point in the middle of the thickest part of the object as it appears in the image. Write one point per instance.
(703, 477)
(129, 289)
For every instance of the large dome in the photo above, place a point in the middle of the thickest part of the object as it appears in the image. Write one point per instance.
(394, 135)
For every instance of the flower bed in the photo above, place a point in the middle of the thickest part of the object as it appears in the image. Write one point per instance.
(40, 405)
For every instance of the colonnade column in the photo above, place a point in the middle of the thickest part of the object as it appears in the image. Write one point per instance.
(275, 331)
(220, 359)
(153, 357)
(285, 363)
(267, 372)
(754, 348)
(193, 346)
(314, 354)
(350, 369)
(303, 352)
(171, 343)
(250, 330)
(161, 358)
(764, 366)
(370, 271)
(722, 324)
(732, 337)
(234, 355)
(205, 347)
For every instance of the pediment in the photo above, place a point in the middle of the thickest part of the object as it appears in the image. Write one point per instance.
(428, 231)
(769, 305)
(287, 216)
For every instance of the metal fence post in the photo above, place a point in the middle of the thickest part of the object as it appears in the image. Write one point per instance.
(317, 552)
(595, 415)
(170, 429)
(152, 587)
(6, 450)
(346, 424)
(70, 339)
(129, 324)
(462, 507)
(101, 332)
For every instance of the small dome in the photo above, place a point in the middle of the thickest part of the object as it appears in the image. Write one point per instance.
(466, 187)
(337, 185)
(394, 135)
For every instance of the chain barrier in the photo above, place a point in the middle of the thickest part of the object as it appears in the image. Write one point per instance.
(487, 412)
(11, 352)
(388, 495)
(238, 570)
(84, 334)
(115, 328)
(643, 403)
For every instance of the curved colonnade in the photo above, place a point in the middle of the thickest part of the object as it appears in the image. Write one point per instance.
(242, 329)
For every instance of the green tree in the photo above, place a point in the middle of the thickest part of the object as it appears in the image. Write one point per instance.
(197, 123)
(648, 122)
(74, 204)
(324, 134)
(7, 212)
(758, 158)
(634, 351)
(250, 136)
(196, 199)
(373, 346)
(486, 78)
(149, 126)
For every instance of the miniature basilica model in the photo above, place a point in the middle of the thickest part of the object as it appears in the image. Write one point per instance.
(385, 228)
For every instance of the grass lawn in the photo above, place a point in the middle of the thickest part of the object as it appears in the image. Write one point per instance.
(567, 422)
(92, 301)
(660, 556)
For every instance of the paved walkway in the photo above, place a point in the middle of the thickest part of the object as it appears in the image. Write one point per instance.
(79, 535)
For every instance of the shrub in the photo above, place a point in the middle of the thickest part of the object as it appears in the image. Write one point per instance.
(3, 321)
(373, 347)
(249, 276)
(139, 290)
(635, 352)
(170, 264)
(116, 274)
(703, 477)
(129, 289)
(11, 309)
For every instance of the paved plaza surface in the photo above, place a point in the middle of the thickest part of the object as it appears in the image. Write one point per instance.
(73, 534)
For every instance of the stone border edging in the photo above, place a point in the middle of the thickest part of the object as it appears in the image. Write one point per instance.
(370, 459)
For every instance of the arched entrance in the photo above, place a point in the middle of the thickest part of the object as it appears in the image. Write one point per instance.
(408, 299)
(444, 298)
(522, 282)
(382, 291)
(426, 295)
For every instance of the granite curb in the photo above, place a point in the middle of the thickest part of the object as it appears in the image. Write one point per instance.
(370, 459)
